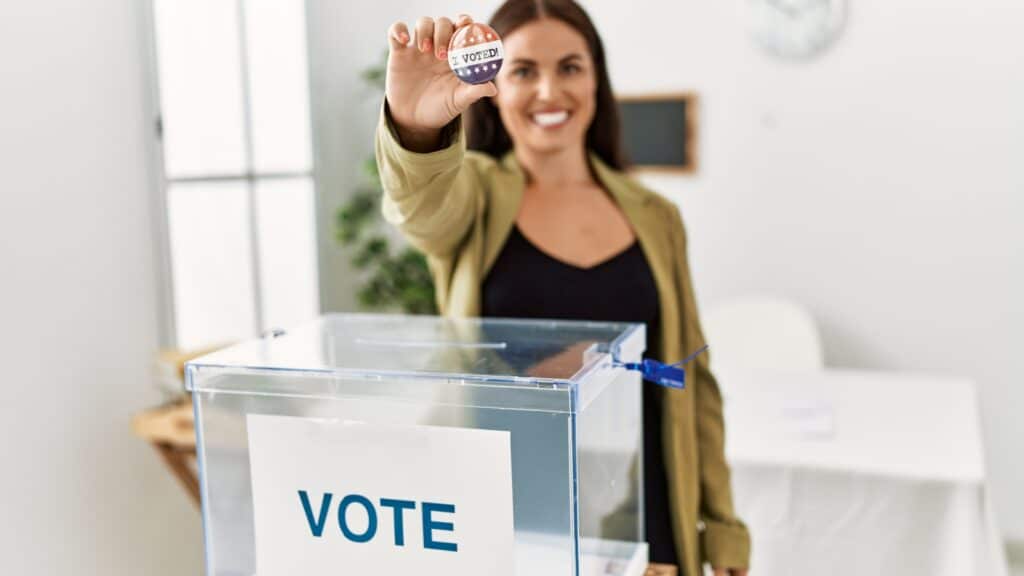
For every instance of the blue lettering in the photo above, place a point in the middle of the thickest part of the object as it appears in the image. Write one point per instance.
(429, 525)
(317, 527)
(371, 515)
(317, 520)
(399, 507)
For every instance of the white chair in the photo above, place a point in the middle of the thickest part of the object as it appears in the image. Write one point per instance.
(762, 333)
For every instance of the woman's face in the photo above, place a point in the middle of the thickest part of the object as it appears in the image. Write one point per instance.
(547, 87)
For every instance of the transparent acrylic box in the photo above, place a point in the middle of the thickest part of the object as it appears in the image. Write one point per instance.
(573, 419)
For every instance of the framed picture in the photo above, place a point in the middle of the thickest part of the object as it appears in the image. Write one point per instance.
(659, 131)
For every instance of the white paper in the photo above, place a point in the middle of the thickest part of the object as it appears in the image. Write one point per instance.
(465, 468)
(810, 416)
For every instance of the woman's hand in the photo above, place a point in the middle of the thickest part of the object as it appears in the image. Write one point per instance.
(423, 94)
(730, 571)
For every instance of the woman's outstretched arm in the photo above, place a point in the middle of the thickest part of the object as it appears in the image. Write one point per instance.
(428, 191)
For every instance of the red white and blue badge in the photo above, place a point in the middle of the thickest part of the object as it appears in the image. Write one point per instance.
(475, 53)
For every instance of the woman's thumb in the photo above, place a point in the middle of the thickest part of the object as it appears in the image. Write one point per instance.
(467, 94)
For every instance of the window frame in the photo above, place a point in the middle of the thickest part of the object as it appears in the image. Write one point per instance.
(161, 182)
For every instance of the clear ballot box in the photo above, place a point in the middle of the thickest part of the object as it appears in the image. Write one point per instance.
(382, 444)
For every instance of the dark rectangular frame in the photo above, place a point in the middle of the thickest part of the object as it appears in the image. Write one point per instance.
(690, 131)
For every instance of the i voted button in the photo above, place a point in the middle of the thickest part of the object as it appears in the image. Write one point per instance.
(475, 53)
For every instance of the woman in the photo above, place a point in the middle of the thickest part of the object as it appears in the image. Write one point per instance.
(537, 220)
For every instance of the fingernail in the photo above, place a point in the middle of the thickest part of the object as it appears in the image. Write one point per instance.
(442, 54)
(428, 45)
(403, 37)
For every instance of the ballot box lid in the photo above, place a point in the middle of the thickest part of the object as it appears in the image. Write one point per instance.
(552, 354)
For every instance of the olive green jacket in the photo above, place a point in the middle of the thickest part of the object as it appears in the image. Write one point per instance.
(459, 206)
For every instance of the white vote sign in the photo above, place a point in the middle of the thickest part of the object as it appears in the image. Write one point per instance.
(337, 497)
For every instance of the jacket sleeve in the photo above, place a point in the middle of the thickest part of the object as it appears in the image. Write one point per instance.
(725, 541)
(431, 196)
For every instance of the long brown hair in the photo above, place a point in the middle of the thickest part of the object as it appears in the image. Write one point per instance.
(484, 129)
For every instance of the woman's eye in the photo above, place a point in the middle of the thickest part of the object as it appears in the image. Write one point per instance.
(521, 72)
(571, 68)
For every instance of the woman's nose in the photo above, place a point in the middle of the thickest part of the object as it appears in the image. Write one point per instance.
(547, 87)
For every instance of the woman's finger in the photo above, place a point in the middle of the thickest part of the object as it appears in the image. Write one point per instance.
(398, 36)
(425, 34)
(443, 29)
(463, 20)
(467, 94)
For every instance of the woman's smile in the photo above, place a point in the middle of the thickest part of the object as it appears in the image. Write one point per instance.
(551, 118)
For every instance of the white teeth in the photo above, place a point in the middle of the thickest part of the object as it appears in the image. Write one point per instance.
(551, 118)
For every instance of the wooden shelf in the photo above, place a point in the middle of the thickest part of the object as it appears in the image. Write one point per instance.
(170, 429)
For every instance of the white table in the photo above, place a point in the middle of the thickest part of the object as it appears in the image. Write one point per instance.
(842, 472)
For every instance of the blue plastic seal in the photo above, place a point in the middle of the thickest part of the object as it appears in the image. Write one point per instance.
(667, 375)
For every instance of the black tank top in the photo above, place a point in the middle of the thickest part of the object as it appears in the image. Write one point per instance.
(526, 282)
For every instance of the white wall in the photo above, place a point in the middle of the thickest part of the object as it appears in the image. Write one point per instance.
(877, 184)
(342, 113)
(78, 300)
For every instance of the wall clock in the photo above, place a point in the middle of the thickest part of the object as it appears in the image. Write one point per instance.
(796, 28)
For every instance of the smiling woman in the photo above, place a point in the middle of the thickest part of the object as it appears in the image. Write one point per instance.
(538, 220)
